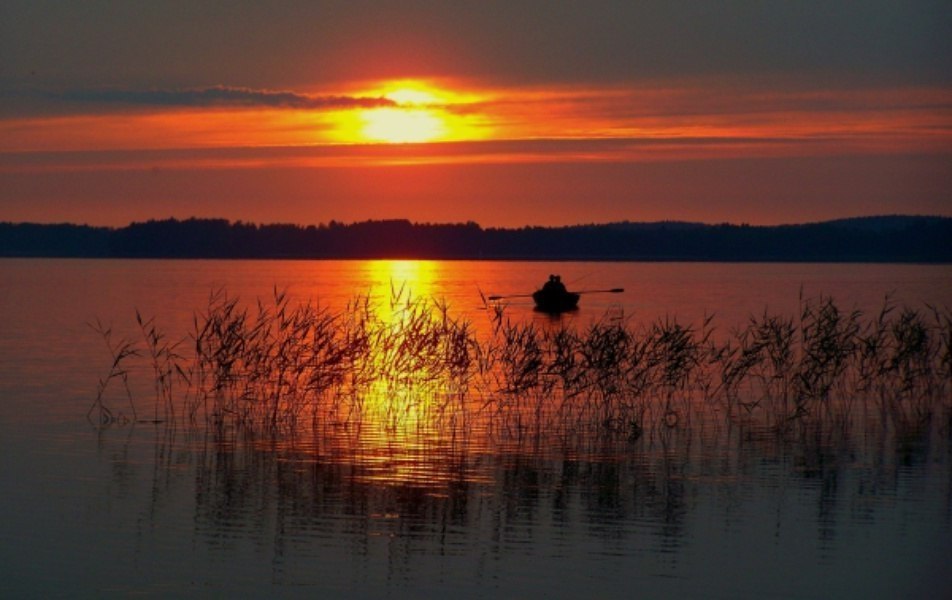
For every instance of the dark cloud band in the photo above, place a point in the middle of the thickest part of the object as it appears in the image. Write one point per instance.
(221, 96)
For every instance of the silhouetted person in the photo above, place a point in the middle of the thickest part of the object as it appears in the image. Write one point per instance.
(554, 285)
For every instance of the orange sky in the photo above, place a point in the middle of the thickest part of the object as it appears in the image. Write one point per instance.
(765, 136)
(673, 120)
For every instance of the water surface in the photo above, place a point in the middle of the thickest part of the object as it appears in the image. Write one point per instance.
(717, 511)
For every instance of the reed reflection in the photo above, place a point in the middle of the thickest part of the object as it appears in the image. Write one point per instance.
(649, 498)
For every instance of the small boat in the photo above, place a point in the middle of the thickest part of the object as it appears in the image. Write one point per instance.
(554, 298)
(555, 302)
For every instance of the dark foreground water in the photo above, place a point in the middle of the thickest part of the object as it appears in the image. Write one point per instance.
(713, 510)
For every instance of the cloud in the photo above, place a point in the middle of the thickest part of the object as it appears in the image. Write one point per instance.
(220, 96)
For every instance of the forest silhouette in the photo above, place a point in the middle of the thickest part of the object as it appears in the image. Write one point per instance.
(862, 239)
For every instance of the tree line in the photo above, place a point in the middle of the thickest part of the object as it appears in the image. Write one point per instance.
(871, 239)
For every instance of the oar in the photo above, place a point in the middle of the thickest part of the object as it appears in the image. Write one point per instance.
(611, 291)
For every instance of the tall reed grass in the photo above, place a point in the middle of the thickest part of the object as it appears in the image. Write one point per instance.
(279, 363)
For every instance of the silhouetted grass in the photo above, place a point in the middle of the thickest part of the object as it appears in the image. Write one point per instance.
(280, 364)
(120, 352)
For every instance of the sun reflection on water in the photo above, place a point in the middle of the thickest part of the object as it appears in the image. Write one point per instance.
(401, 280)
(406, 413)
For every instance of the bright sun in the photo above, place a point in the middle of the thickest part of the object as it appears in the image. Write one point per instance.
(418, 112)
(413, 119)
(401, 125)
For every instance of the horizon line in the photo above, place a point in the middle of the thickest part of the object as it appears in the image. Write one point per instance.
(472, 222)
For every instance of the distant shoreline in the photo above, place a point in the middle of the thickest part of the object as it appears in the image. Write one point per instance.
(886, 239)
(12, 257)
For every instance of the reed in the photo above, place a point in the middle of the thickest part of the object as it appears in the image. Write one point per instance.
(279, 363)
(120, 352)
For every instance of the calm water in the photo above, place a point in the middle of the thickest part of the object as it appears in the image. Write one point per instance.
(150, 510)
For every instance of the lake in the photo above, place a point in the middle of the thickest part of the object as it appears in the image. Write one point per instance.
(409, 503)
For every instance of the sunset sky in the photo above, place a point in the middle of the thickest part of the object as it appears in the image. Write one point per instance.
(504, 113)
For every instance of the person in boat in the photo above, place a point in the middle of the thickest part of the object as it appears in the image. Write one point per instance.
(554, 298)
(554, 286)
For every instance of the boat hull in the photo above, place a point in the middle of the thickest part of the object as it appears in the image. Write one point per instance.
(555, 303)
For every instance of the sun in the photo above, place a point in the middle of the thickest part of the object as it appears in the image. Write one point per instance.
(414, 111)
(413, 119)
(402, 125)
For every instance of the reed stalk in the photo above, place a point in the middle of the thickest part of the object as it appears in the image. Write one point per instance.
(278, 363)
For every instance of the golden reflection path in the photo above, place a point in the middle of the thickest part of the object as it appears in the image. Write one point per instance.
(406, 428)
